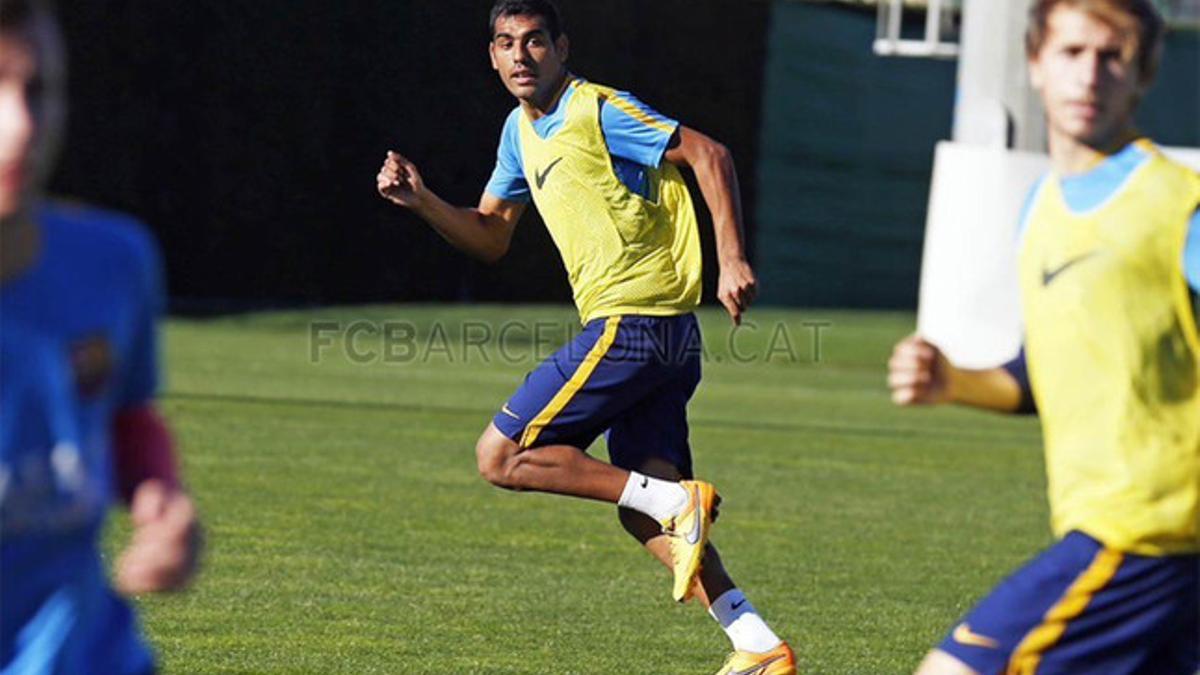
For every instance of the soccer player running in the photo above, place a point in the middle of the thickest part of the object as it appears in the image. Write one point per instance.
(592, 160)
(79, 296)
(1109, 275)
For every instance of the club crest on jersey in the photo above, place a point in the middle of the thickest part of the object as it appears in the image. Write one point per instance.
(93, 363)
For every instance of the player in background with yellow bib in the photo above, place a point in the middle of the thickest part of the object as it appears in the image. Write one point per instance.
(592, 160)
(1109, 271)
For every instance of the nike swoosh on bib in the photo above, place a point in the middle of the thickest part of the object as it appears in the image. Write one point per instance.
(1049, 276)
(540, 177)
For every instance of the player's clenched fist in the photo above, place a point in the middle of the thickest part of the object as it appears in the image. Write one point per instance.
(918, 373)
(399, 181)
(165, 548)
(736, 289)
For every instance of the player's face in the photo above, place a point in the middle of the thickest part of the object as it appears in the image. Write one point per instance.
(530, 64)
(1088, 78)
(19, 101)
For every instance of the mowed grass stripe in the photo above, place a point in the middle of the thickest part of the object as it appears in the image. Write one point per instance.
(751, 426)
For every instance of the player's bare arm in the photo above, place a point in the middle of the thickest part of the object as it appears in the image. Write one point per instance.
(483, 232)
(715, 173)
(920, 374)
(164, 551)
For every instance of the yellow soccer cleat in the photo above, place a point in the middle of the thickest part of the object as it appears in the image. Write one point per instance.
(778, 661)
(689, 534)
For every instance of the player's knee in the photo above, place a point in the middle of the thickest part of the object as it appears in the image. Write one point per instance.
(656, 467)
(489, 461)
(493, 453)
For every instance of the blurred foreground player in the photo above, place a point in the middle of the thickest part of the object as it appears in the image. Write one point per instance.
(591, 159)
(79, 297)
(1109, 272)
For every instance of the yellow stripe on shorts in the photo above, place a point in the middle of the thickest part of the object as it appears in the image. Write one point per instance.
(573, 385)
(1028, 655)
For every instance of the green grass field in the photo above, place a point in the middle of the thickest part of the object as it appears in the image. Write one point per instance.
(349, 532)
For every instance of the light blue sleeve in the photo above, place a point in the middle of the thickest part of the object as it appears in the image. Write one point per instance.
(1191, 254)
(635, 131)
(508, 178)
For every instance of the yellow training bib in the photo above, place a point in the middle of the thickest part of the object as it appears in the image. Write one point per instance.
(1114, 360)
(624, 254)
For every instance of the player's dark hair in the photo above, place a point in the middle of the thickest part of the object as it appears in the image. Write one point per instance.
(543, 8)
(1138, 20)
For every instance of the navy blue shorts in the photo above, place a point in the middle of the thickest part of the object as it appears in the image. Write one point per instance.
(1082, 608)
(629, 376)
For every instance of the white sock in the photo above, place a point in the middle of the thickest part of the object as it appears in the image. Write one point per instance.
(743, 625)
(659, 499)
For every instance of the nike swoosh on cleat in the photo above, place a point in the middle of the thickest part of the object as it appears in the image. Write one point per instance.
(540, 177)
(504, 409)
(963, 635)
(693, 537)
(758, 669)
